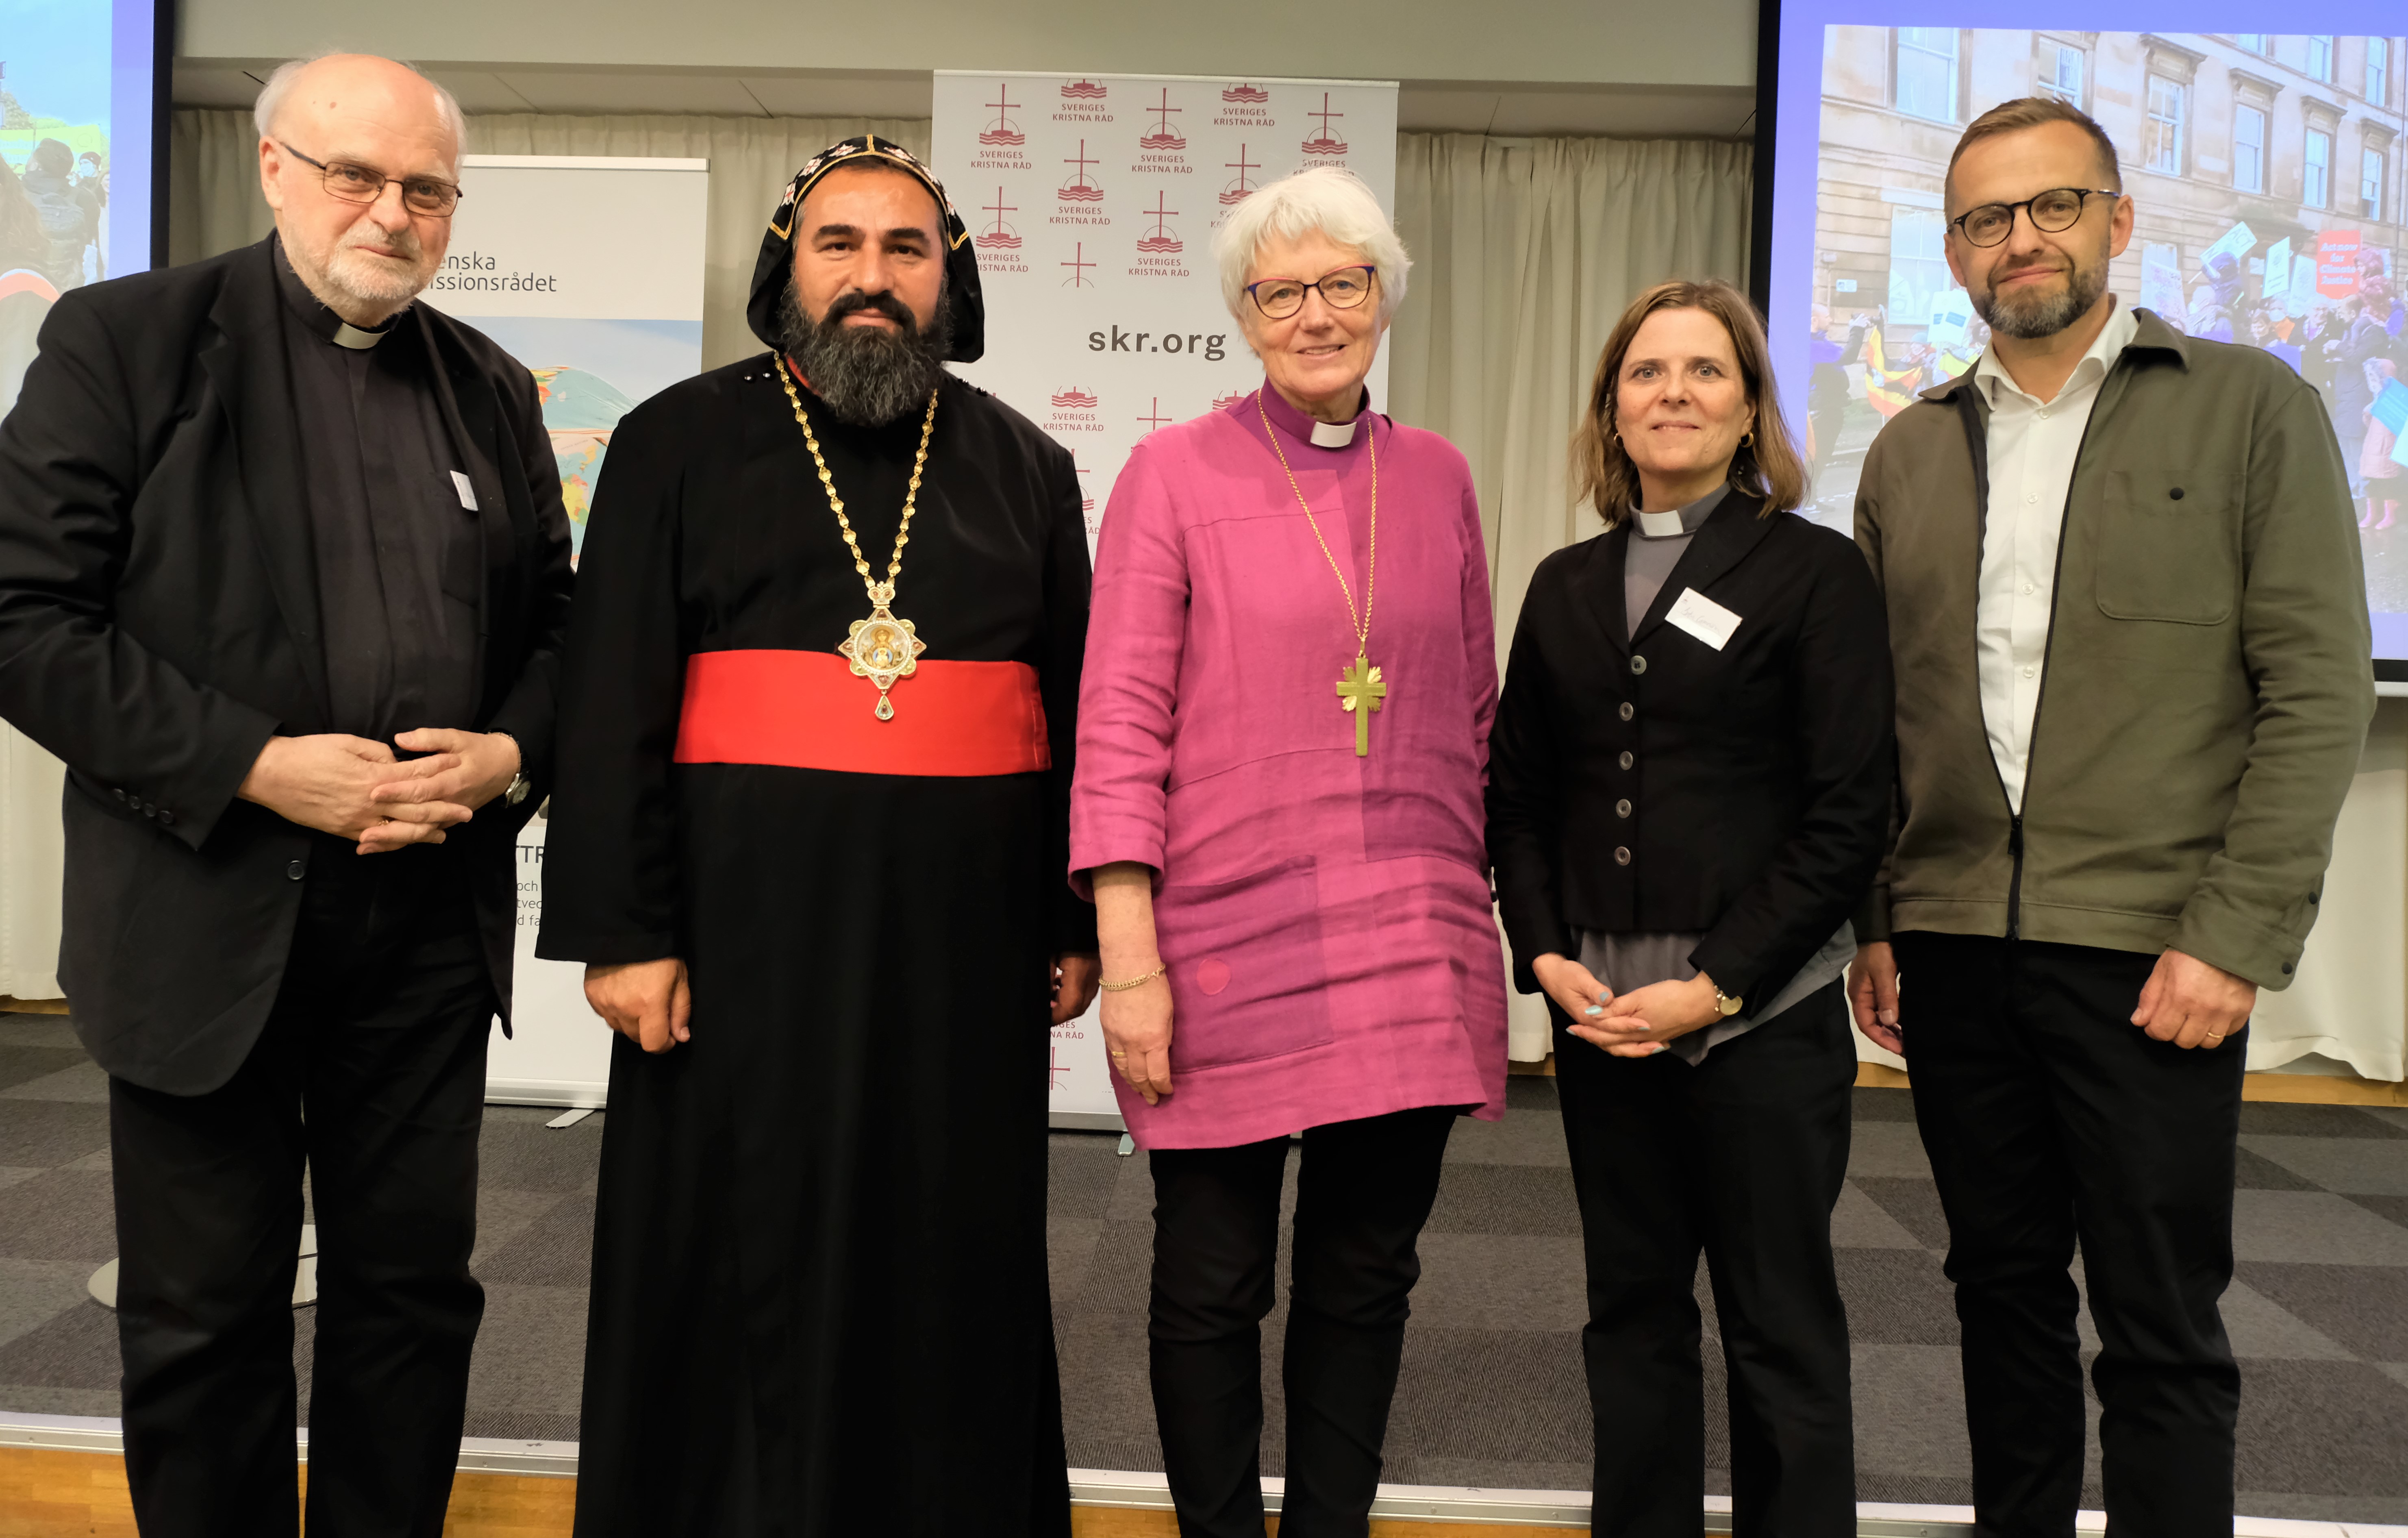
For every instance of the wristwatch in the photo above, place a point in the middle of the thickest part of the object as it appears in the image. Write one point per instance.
(520, 784)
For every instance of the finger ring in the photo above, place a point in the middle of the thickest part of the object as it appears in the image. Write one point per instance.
(1120, 1053)
(2216, 1036)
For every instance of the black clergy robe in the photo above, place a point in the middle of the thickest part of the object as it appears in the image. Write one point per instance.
(820, 1301)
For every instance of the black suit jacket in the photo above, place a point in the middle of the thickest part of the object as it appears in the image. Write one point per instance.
(159, 621)
(1759, 779)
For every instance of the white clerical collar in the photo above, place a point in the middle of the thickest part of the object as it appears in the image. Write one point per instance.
(1333, 435)
(348, 335)
(1685, 519)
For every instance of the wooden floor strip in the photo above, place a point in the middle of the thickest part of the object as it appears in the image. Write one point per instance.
(49, 1494)
(1105, 1522)
(46, 1494)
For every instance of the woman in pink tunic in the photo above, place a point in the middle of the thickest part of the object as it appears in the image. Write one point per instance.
(1282, 743)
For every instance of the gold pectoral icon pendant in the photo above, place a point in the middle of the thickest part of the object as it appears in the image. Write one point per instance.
(1360, 692)
(882, 649)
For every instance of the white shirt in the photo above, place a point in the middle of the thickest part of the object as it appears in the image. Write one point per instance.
(2032, 444)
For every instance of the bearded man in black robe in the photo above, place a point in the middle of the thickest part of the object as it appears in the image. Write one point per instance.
(811, 837)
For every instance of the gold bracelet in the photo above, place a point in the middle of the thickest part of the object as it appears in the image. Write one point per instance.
(1134, 982)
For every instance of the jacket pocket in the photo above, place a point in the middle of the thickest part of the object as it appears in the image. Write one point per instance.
(2169, 546)
(1248, 980)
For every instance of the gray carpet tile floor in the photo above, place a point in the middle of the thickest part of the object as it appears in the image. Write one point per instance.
(1492, 1393)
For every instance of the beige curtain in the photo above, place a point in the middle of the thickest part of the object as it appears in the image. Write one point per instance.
(1525, 252)
(213, 201)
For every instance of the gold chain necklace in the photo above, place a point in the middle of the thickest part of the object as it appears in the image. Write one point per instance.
(880, 648)
(1360, 690)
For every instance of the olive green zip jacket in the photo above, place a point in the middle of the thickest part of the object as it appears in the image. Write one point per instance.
(2207, 684)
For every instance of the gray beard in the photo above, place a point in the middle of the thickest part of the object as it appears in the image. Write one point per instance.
(867, 375)
(2041, 315)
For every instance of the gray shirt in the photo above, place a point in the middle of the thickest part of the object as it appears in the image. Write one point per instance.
(1626, 961)
(1651, 556)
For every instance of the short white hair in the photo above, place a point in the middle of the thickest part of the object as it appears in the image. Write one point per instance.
(279, 85)
(1328, 198)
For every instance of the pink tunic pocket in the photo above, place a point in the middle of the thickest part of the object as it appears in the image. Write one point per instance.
(1248, 979)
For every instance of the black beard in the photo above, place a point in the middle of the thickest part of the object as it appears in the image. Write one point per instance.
(868, 376)
(2031, 318)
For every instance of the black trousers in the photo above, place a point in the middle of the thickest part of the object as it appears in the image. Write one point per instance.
(1364, 1189)
(2051, 1118)
(1740, 1158)
(371, 1071)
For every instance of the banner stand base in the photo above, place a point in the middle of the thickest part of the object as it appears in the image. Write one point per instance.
(568, 1094)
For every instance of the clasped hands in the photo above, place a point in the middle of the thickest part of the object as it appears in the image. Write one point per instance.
(1632, 1024)
(357, 789)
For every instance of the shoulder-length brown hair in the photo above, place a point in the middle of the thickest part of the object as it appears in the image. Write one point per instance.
(1769, 467)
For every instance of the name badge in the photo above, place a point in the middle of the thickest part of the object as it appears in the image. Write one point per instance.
(1703, 618)
(468, 493)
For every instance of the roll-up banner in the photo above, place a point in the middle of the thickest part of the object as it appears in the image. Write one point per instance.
(603, 324)
(1093, 200)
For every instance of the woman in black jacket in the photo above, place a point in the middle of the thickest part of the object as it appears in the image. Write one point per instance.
(1689, 793)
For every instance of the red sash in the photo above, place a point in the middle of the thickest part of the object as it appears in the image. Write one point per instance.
(806, 709)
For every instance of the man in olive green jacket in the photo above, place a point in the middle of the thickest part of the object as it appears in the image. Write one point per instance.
(2129, 617)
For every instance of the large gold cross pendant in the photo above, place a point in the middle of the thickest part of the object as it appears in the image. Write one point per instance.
(1360, 691)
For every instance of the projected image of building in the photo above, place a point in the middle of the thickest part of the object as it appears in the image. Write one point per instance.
(2266, 170)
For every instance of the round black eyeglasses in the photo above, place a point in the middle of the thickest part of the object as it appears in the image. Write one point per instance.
(1279, 298)
(2053, 212)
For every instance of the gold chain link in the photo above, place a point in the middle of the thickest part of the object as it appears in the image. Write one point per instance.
(1371, 577)
(911, 498)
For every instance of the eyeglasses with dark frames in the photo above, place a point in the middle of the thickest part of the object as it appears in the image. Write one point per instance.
(1279, 298)
(350, 183)
(2051, 212)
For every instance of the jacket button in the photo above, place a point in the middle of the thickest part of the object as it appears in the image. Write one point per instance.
(150, 810)
(292, 870)
(1628, 710)
(2175, 494)
(1622, 856)
(1638, 665)
(167, 819)
(2287, 968)
(2316, 896)
(1621, 808)
(120, 793)
(1626, 759)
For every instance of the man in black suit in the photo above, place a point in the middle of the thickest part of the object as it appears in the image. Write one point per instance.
(283, 575)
